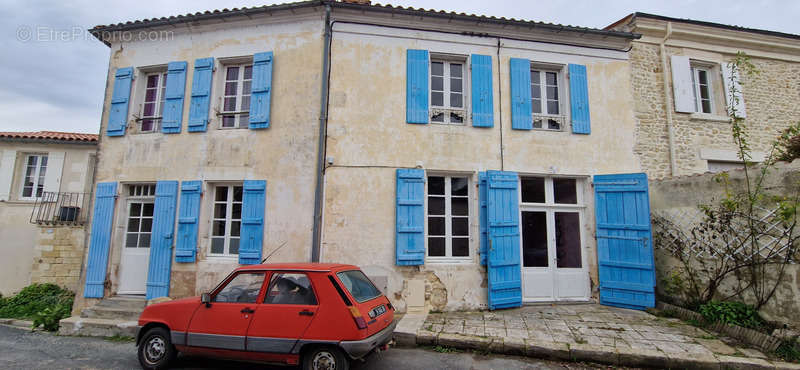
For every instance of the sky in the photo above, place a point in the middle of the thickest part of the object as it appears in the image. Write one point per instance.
(54, 71)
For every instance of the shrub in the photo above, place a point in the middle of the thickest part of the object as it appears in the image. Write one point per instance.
(734, 313)
(45, 304)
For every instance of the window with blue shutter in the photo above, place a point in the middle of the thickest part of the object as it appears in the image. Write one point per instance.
(482, 96)
(100, 239)
(410, 215)
(504, 267)
(521, 118)
(417, 86)
(261, 90)
(172, 115)
(484, 227)
(579, 99)
(201, 94)
(118, 112)
(186, 244)
(252, 229)
(160, 267)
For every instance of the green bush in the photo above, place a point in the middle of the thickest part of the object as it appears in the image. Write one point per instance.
(45, 304)
(734, 313)
(789, 350)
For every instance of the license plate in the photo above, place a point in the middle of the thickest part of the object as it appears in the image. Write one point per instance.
(377, 311)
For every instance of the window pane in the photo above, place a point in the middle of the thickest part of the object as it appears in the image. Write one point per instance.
(437, 68)
(233, 74)
(228, 121)
(437, 99)
(455, 69)
(553, 124)
(236, 228)
(133, 224)
(290, 289)
(456, 118)
(436, 247)
(230, 105)
(533, 190)
(535, 77)
(537, 106)
(218, 228)
(551, 78)
(136, 209)
(234, 244)
(460, 247)
(552, 107)
(536, 91)
(458, 186)
(455, 100)
(131, 240)
(706, 106)
(436, 206)
(455, 84)
(460, 226)
(438, 117)
(435, 225)
(437, 83)
(436, 185)
(147, 125)
(230, 88)
(248, 72)
(534, 239)
(243, 288)
(217, 245)
(568, 240)
(147, 225)
(27, 191)
(537, 123)
(703, 77)
(565, 191)
(222, 193)
(459, 206)
(237, 211)
(246, 87)
(219, 210)
(359, 286)
(147, 209)
(152, 81)
(144, 240)
(552, 92)
(245, 106)
(244, 120)
(237, 193)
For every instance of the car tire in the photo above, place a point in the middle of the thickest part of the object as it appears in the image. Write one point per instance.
(155, 350)
(325, 358)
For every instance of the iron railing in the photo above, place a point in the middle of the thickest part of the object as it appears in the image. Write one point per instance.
(54, 208)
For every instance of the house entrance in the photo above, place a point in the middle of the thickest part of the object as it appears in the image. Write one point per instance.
(136, 248)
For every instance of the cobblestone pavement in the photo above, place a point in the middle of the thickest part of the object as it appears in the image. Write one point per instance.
(594, 330)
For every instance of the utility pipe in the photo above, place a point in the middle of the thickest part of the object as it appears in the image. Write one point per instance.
(323, 123)
(668, 102)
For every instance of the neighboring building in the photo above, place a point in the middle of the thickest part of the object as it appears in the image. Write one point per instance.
(45, 178)
(683, 127)
(449, 140)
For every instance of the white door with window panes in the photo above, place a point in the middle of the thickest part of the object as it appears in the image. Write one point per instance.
(227, 221)
(136, 250)
(552, 249)
(447, 226)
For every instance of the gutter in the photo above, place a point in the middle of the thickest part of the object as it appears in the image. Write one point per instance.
(323, 123)
(668, 101)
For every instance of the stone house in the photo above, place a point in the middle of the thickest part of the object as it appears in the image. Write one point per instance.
(45, 179)
(681, 84)
(462, 161)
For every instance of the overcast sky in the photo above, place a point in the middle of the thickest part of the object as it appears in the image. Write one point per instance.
(55, 82)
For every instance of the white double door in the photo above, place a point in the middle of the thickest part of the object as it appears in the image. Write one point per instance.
(553, 256)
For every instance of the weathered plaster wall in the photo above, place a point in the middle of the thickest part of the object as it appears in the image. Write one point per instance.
(283, 154)
(667, 196)
(368, 138)
(57, 256)
(770, 97)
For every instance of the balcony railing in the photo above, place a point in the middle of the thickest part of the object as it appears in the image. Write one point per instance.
(53, 208)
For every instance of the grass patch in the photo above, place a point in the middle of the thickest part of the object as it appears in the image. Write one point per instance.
(120, 339)
(45, 304)
(445, 349)
(708, 337)
(734, 313)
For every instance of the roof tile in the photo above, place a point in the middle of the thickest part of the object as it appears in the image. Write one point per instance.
(50, 135)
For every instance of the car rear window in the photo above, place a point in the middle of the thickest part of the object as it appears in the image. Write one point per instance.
(358, 285)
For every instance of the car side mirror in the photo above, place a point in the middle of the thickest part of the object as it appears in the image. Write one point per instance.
(205, 299)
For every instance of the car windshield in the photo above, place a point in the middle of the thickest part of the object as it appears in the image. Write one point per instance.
(358, 285)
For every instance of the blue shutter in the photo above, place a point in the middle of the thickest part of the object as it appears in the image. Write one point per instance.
(172, 115)
(161, 239)
(252, 231)
(261, 90)
(504, 270)
(484, 237)
(201, 94)
(410, 213)
(417, 86)
(186, 244)
(482, 96)
(102, 218)
(118, 113)
(521, 94)
(624, 241)
(579, 99)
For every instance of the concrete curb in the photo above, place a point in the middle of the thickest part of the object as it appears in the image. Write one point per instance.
(22, 324)
(591, 353)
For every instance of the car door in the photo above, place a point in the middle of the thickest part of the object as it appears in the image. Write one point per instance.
(222, 324)
(287, 310)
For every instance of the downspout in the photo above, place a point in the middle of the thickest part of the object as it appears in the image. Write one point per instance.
(668, 102)
(500, 99)
(323, 123)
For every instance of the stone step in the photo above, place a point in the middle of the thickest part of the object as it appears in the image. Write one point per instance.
(77, 325)
(101, 312)
(134, 303)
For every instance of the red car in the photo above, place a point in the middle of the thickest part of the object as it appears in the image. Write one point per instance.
(321, 314)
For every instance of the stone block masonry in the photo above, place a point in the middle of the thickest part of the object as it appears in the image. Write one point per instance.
(57, 253)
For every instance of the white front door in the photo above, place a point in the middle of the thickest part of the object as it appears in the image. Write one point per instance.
(136, 250)
(553, 260)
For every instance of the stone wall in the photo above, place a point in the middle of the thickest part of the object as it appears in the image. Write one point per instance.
(682, 195)
(770, 98)
(57, 256)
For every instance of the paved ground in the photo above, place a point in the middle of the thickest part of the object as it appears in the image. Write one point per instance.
(22, 349)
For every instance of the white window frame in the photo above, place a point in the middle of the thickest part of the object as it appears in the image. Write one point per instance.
(448, 257)
(142, 194)
(696, 68)
(38, 177)
(240, 94)
(161, 89)
(446, 109)
(561, 85)
(228, 219)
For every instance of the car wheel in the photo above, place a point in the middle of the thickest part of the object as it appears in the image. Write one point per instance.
(325, 358)
(156, 350)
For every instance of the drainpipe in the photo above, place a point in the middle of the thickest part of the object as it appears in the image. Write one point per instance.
(668, 102)
(323, 122)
